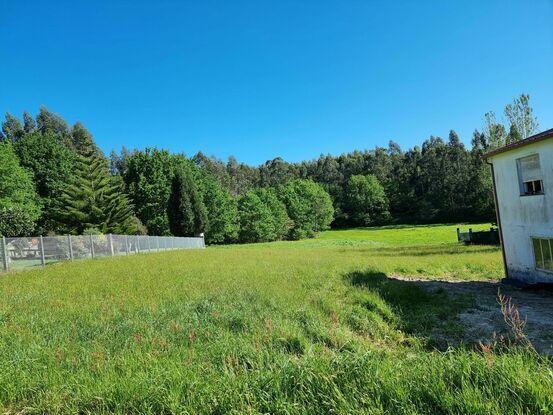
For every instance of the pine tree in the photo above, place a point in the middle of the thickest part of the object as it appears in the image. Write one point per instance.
(92, 200)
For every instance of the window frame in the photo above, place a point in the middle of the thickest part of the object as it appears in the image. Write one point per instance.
(522, 184)
(541, 267)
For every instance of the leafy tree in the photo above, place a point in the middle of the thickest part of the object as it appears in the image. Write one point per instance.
(308, 206)
(222, 212)
(29, 124)
(514, 135)
(48, 122)
(367, 200)
(256, 220)
(51, 163)
(495, 132)
(185, 210)
(520, 115)
(91, 201)
(12, 128)
(19, 209)
(279, 216)
(147, 180)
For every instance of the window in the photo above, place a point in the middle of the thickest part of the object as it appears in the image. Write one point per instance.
(543, 253)
(529, 175)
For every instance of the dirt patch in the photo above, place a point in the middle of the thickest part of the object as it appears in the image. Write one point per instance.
(534, 304)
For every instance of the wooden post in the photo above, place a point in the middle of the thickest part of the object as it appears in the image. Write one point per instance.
(42, 260)
(70, 243)
(149, 245)
(127, 244)
(5, 261)
(157, 243)
(91, 246)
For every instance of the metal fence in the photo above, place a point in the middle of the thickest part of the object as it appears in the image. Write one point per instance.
(25, 252)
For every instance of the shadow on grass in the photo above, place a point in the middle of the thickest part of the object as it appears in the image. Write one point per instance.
(430, 250)
(426, 309)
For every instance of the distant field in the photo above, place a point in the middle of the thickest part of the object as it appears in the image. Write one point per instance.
(301, 327)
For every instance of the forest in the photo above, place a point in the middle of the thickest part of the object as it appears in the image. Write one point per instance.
(56, 180)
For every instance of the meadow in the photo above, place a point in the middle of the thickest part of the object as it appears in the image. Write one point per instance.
(308, 327)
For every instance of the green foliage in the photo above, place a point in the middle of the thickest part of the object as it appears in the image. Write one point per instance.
(52, 164)
(19, 208)
(308, 206)
(367, 200)
(279, 216)
(186, 211)
(11, 128)
(147, 180)
(222, 211)
(256, 219)
(91, 200)
(16, 221)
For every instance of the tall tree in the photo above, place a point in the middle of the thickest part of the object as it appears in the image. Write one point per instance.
(12, 128)
(221, 208)
(52, 165)
(256, 221)
(185, 210)
(91, 201)
(19, 208)
(147, 180)
(366, 200)
(520, 115)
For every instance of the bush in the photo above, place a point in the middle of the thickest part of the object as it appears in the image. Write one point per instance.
(309, 206)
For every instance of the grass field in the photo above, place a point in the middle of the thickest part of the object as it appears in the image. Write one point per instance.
(307, 327)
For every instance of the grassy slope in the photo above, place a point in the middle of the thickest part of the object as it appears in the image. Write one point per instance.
(292, 327)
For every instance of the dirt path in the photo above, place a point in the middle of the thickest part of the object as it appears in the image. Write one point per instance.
(535, 304)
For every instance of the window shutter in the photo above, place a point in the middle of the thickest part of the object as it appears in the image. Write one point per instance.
(530, 168)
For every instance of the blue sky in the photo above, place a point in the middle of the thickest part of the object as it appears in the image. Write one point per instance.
(259, 79)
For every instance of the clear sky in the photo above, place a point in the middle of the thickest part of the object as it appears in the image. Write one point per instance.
(259, 79)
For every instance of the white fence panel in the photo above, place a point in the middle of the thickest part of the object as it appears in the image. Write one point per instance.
(28, 252)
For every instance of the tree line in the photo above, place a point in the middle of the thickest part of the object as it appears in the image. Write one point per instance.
(55, 179)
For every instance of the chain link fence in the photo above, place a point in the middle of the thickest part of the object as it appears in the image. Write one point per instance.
(32, 251)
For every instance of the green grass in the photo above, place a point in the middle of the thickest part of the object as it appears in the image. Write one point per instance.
(290, 327)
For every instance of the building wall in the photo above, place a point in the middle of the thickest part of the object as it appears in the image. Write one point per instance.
(523, 217)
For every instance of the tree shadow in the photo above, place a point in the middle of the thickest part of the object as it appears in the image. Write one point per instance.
(430, 250)
(428, 310)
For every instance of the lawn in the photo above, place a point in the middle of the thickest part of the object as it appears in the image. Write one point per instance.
(313, 326)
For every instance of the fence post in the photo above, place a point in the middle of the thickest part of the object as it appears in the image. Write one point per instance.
(91, 246)
(110, 241)
(157, 243)
(149, 245)
(5, 261)
(70, 247)
(127, 244)
(42, 260)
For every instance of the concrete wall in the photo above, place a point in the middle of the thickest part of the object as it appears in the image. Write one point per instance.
(523, 217)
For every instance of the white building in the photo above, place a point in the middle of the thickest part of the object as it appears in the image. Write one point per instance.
(523, 187)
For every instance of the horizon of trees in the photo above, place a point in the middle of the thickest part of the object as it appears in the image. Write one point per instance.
(55, 179)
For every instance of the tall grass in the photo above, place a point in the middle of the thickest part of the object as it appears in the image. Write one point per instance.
(295, 328)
